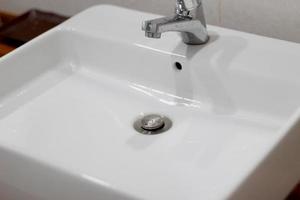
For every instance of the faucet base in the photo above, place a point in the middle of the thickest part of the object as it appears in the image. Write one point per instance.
(191, 39)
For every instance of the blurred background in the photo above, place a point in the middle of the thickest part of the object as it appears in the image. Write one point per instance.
(273, 18)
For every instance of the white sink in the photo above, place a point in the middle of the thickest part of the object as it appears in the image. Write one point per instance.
(70, 97)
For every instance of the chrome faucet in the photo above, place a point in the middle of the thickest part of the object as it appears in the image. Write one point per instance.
(189, 20)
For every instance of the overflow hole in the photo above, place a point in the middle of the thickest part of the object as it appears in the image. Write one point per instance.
(178, 66)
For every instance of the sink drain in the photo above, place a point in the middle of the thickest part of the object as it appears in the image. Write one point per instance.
(152, 124)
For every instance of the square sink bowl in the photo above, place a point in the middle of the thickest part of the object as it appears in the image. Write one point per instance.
(69, 100)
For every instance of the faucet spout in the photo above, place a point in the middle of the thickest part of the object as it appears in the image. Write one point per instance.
(189, 20)
(192, 31)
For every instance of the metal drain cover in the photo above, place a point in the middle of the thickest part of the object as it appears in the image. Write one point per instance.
(152, 124)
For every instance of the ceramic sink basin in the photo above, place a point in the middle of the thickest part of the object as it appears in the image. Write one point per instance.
(69, 98)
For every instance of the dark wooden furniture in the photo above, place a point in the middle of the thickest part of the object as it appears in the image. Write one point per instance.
(17, 30)
(4, 47)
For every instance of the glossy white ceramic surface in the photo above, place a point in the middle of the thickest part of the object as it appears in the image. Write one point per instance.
(70, 97)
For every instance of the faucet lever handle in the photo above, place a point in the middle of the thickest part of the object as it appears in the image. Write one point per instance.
(187, 5)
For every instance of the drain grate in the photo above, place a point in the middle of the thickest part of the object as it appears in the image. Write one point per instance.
(152, 124)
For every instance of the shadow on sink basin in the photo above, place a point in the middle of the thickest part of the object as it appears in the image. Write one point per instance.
(209, 86)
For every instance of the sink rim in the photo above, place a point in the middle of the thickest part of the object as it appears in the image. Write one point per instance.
(68, 26)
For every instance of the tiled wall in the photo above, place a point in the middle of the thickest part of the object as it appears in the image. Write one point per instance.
(274, 18)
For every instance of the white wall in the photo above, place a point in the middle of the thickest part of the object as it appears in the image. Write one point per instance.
(274, 18)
